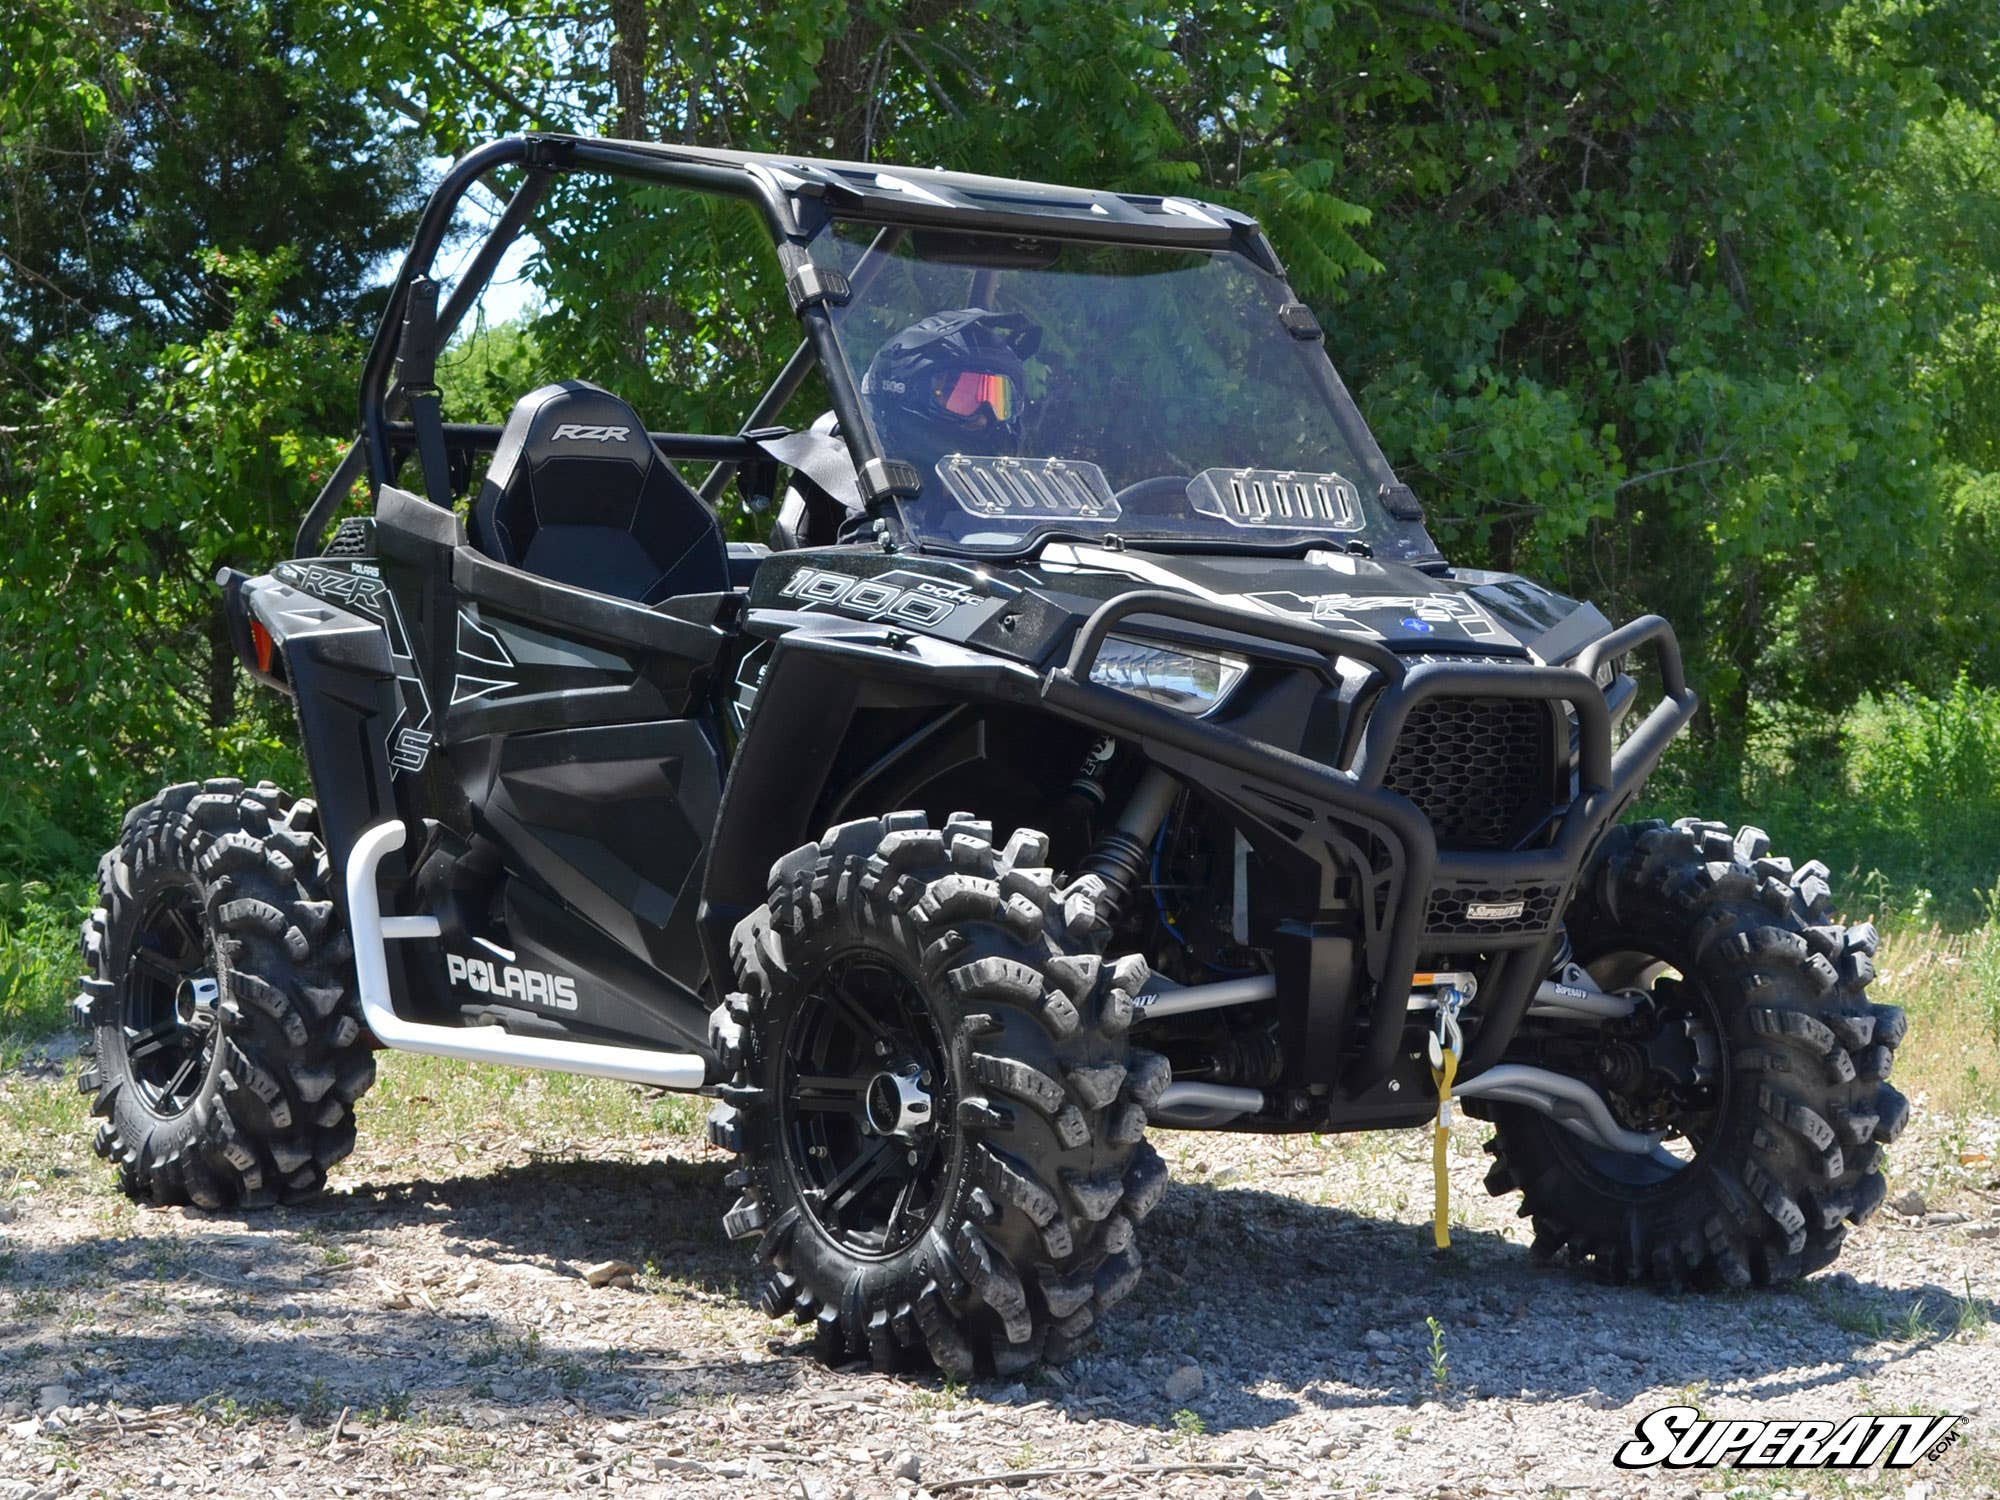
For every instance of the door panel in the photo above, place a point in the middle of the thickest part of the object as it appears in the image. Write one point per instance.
(568, 780)
(579, 730)
(613, 820)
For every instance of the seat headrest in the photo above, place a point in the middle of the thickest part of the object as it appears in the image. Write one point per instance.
(570, 422)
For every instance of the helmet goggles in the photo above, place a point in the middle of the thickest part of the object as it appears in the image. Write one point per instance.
(964, 394)
(955, 368)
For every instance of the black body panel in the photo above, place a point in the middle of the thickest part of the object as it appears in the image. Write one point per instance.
(612, 819)
(559, 745)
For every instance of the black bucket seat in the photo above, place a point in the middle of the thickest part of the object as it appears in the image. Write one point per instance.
(578, 493)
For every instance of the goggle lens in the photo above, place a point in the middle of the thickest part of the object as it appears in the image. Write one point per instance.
(964, 393)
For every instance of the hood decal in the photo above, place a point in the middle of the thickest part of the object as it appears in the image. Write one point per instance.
(1385, 616)
(1465, 611)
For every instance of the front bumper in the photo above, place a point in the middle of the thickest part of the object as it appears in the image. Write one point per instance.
(1415, 897)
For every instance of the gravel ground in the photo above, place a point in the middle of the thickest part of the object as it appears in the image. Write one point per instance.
(429, 1327)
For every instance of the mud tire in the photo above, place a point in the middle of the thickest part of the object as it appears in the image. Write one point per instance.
(1034, 1239)
(1796, 1155)
(274, 1081)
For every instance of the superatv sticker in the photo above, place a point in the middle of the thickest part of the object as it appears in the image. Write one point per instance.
(509, 982)
(1679, 1437)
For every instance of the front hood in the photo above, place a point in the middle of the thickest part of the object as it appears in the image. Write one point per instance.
(1457, 611)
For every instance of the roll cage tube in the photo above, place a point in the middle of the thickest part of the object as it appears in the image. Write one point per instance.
(793, 375)
(416, 343)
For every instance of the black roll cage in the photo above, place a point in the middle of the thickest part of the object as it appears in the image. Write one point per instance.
(795, 197)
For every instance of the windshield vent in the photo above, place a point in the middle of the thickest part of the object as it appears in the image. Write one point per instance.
(1281, 499)
(1036, 487)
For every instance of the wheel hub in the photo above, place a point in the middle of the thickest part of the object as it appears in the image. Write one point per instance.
(1659, 1071)
(170, 1004)
(897, 1103)
(194, 1003)
(868, 1111)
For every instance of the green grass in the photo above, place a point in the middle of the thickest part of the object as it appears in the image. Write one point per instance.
(421, 1101)
(1900, 797)
(39, 963)
(1440, 1357)
(1949, 983)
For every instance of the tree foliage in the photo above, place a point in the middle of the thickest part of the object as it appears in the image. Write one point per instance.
(135, 139)
(194, 203)
(152, 465)
(1684, 308)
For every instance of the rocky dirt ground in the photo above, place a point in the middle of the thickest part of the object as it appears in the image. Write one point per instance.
(429, 1327)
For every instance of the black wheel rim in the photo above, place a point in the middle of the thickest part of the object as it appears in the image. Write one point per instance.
(1693, 1126)
(867, 1107)
(167, 1014)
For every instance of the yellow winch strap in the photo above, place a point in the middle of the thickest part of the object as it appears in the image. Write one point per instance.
(1440, 1168)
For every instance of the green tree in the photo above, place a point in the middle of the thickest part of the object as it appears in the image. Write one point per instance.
(1687, 308)
(188, 127)
(195, 201)
(155, 465)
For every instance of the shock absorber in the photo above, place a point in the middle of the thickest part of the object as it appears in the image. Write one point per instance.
(1124, 852)
(1087, 790)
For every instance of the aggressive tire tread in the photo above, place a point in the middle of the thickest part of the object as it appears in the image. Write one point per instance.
(1796, 1155)
(1036, 1243)
(274, 1111)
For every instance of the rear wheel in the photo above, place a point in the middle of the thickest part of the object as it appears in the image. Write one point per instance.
(939, 1116)
(226, 1049)
(1756, 1052)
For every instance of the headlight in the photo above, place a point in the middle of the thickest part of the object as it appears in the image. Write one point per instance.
(1608, 670)
(1195, 682)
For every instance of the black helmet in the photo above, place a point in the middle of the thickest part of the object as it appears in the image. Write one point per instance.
(953, 374)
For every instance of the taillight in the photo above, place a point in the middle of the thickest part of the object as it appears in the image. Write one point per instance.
(264, 646)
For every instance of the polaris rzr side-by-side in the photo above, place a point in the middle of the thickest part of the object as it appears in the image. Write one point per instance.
(1101, 742)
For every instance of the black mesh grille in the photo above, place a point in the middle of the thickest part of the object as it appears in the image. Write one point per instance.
(1473, 911)
(355, 537)
(1478, 768)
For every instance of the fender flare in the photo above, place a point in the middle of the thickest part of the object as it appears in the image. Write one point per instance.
(821, 669)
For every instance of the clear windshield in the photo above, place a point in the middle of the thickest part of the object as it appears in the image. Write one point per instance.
(1152, 394)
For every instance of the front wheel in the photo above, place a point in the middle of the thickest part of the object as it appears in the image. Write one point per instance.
(940, 1119)
(1755, 1052)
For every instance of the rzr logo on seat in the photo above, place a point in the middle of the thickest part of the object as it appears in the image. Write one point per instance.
(510, 983)
(588, 434)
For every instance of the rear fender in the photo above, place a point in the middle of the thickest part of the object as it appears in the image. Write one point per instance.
(335, 664)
